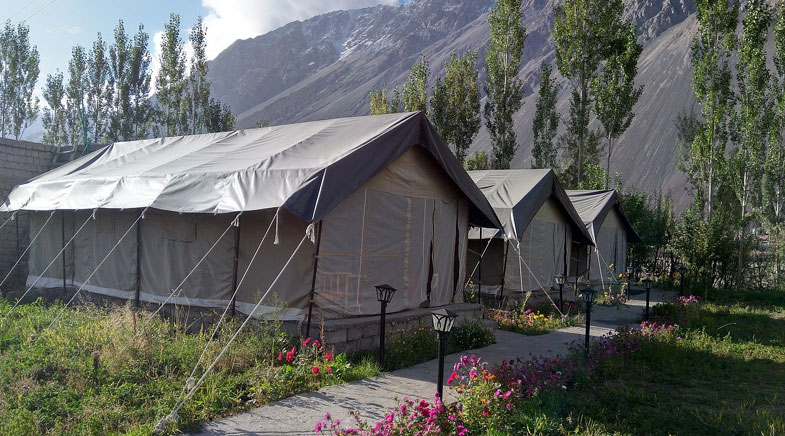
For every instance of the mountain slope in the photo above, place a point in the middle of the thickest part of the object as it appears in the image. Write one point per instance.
(324, 67)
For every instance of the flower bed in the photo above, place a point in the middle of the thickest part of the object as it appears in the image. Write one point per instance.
(489, 397)
(529, 322)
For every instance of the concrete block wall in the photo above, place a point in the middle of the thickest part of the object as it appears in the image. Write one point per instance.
(19, 162)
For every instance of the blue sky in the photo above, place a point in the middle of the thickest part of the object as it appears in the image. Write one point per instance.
(57, 25)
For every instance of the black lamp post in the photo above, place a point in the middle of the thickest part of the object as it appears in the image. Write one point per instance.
(647, 286)
(588, 297)
(682, 275)
(443, 320)
(630, 272)
(384, 294)
(560, 281)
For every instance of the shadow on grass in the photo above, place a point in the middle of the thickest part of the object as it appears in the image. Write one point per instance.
(682, 388)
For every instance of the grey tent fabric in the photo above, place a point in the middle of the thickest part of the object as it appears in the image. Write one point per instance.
(592, 207)
(306, 168)
(602, 214)
(405, 225)
(517, 195)
(539, 222)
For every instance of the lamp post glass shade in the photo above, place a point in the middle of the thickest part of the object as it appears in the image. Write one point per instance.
(559, 279)
(443, 320)
(384, 293)
(587, 294)
(647, 283)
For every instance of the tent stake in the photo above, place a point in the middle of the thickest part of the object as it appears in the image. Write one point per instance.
(62, 222)
(313, 279)
(234, 267)
(138, 292)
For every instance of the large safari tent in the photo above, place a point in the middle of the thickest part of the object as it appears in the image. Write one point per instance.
(368, 200)
(610, 230)
(539, 225)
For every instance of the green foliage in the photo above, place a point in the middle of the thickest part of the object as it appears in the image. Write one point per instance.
(18, 75)
(653, 221)
(414, 95)
(615, 92)
(76, 119)
(410, 347)
(529, 322)
(477, 161)
(170, 83)
(503, 88)
(546, 122)
(197, 97)
(97, 92)
(54, 118)
(48, 383)
(455, 104)
(711, 51)
(218, 117)
(586, 33)
(381, 103)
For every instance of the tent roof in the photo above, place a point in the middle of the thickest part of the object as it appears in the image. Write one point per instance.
(517, 195)
(593, 207)
(306, 168)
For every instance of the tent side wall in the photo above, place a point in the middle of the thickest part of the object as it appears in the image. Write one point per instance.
(407, 227)
(612, 249)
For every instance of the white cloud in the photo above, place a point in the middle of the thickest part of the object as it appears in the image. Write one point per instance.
(71, 30)
(230, 20)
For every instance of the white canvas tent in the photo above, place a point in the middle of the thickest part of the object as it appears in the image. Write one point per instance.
(539, 223)
(389, 204)
(610, 230)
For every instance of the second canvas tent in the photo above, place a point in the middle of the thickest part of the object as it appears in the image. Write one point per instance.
(539, 226)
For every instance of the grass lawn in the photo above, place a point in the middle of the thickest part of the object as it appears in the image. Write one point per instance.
(723, 374)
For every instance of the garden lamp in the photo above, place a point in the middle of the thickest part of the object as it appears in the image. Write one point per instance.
(443, 321)
(588, 297)
(559, 279)
(647, 287)
(384, 294)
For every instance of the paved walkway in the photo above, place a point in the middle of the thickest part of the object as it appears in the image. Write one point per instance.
(375, 396)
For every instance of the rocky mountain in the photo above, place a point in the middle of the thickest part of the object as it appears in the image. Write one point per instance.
(324, 67)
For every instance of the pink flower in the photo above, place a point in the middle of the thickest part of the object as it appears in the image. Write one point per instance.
(305, 342)
(315, 370)
(290, 355)
(328, 356)
(452, 377)
(329, 370)
(280, 355)
(317, 344)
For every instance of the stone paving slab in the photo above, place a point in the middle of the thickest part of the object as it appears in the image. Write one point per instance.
(375, 396)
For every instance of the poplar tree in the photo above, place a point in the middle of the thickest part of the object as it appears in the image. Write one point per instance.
(54, 117)
(754, 115)
(773, 187)
(170, 82)
(415, 92)
(503, 88)
(198, 95)
(19, 70)
(546, 122)
(383, 103)
(120, 111)
(455, 104)
(615, 92)
(583, 31)
(218, 117)
(98, 92)
(141, 111)
(711, 50)
(76, 121)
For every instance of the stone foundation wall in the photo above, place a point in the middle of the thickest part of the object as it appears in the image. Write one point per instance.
(357, 334)
(19, 162)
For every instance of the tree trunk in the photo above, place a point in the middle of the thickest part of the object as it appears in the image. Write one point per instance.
(608, 168)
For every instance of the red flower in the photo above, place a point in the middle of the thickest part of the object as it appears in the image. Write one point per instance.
(305, 342)
(453, 376)
(317, 344)
(328, 356)
(280, 355)
(315, 370)
(290, 355)
(329, 370)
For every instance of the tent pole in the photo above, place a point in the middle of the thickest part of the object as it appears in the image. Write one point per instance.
(479, 273)
(313, 279)
(18, 246)
(234, 267)
(504, 271)
(138, 291)
(62, 228)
